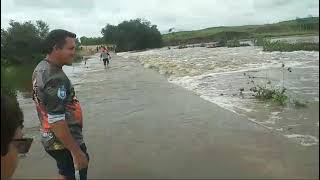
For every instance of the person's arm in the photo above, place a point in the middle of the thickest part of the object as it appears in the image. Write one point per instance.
(55, 94)
(62, 132)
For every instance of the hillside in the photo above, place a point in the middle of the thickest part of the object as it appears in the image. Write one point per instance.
(303, 26)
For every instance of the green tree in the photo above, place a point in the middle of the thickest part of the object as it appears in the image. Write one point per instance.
(43, 29)
(91, 40)
(131, 35)
(21, 42)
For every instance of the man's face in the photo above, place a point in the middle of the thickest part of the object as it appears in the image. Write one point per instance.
(68, 51)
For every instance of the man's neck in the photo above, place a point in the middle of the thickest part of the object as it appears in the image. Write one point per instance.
(54, 60)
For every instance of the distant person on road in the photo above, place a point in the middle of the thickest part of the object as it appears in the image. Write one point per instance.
(105, 56)
(85, 61)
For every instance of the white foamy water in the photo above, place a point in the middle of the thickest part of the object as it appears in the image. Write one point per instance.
(77, 72)
(306, 140)
(217, 74)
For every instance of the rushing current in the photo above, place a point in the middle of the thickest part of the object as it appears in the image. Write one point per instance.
(224, 76)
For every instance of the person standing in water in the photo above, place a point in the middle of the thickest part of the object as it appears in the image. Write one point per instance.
(85, 61)
(105, 56)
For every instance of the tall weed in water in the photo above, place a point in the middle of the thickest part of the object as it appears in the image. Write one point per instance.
(267, 91)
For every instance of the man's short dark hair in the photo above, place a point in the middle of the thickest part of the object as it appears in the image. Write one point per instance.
(11, 119)
(56, 38)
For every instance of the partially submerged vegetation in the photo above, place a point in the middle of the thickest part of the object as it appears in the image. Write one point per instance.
(267, 91)
(288, 47)
(269, 45)
(236, 43)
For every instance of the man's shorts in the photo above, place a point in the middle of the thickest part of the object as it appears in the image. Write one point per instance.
(105, 60)
(65, 164)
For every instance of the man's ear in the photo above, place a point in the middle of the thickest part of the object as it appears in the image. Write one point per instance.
(55, 48)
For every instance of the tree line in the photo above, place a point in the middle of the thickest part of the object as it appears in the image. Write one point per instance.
(21, 42)
(91, 40)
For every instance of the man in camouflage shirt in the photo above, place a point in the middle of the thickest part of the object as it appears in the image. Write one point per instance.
(58, 109)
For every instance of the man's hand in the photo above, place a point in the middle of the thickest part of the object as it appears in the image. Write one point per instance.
(61, 131)
(80, 160)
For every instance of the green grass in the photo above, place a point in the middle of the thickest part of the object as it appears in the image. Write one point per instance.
(285, 28)
(287, 47)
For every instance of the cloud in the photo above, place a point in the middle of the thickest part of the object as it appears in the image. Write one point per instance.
(87, 18)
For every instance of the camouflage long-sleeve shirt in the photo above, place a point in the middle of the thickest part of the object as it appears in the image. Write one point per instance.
(55, 100)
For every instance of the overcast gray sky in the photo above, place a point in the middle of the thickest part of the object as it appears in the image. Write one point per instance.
(88, 17)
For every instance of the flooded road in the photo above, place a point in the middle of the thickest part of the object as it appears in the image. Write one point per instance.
(138, 125)
(217, 75)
